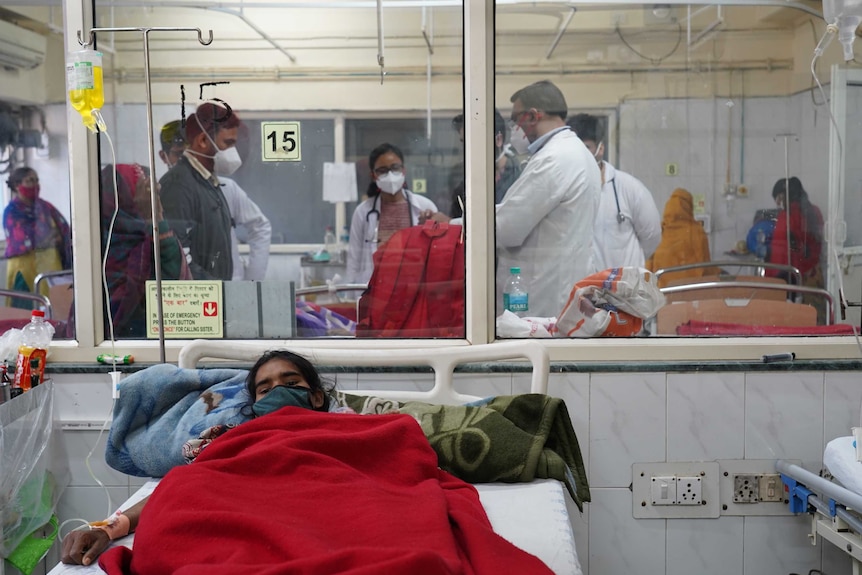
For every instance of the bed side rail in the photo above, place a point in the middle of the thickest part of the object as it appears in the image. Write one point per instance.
(43, 301)
(803, 487)
(330, 289)
(830, 306)
(442, 360)
(792, 270)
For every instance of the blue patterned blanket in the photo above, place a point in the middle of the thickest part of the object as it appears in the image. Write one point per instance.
(162, 407)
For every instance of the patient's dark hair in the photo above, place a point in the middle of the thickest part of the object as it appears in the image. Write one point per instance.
(305, 367)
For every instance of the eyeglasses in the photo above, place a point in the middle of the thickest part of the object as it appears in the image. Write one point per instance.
(394, 168)
(517, 115)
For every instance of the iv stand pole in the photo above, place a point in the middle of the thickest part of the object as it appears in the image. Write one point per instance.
(787, 188)
(156, 247)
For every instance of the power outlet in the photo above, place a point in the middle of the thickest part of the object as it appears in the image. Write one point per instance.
(663, 490)
(689, 491)
(675, 490)
(746, 488)
(751, 487)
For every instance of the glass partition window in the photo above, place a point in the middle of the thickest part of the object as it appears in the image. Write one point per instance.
(283, 169)
(689, 142)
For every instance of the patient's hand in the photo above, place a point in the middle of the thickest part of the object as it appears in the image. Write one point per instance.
(433, 216)
(84, 546)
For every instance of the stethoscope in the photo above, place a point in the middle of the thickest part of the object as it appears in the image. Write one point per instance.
(374, 210)
(620, 217)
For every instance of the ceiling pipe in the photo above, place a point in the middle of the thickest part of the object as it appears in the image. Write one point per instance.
(380, 57)
(270, 74)
(564, 25)
(706, 33)
(428, 41)
(239, 14)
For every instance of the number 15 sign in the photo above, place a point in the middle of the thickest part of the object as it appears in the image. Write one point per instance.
(280, 141)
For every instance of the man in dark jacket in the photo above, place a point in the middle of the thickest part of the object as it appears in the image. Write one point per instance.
(192, 199)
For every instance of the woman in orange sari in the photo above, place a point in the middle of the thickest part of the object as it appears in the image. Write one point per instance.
(683, 240)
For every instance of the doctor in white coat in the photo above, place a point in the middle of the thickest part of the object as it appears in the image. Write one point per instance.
(628, 226)
(545, 222)
(247, 214)
(390, 207)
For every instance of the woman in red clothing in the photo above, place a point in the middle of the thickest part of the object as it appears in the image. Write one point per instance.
(806, 238)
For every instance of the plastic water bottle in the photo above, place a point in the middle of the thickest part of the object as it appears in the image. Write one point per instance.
(329, 241)
(515, 297)
(35, 339)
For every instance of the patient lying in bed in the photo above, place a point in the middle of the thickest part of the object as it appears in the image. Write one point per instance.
(309, 492)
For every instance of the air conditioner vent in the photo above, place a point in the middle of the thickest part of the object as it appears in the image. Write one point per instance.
(20, 48)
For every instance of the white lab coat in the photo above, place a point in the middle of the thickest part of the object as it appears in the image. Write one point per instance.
(363, 230)
(245, 212)
(545, 223)
(631, 242)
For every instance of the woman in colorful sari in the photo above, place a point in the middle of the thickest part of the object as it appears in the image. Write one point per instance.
(38, 238)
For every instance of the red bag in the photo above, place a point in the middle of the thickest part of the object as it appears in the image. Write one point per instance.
(417, 288)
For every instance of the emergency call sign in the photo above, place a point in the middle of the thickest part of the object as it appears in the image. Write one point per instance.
(280, 142)
(190, 309)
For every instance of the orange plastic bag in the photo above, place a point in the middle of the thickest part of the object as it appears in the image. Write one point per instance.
(610, 303)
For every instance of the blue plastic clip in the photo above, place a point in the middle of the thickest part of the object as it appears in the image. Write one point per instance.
(798, 495)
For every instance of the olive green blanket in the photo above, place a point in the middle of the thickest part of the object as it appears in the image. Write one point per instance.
(511, 438)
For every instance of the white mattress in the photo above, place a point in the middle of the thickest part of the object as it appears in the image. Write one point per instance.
(532, 516)
(840, 458)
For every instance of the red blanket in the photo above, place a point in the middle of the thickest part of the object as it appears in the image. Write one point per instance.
(695, 327)
(301, 493)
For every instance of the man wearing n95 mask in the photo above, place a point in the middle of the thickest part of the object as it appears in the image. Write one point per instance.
(628, 225)
(244, 212)
(192, 198)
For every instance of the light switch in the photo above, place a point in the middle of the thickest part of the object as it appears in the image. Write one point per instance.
(663, 490)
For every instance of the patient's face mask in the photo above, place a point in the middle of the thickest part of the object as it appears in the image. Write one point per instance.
(282, 396)
(391, 182)
(518, 140)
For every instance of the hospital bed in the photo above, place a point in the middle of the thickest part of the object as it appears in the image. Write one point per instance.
(764, 316)
(332, 298)
(831, 507)
(534, 516)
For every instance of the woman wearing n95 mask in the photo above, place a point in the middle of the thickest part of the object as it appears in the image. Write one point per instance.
(390, 207)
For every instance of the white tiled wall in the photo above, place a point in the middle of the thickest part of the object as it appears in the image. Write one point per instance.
(620, 419)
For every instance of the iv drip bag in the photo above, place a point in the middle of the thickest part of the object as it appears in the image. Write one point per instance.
(846, 15)
(85, 85)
